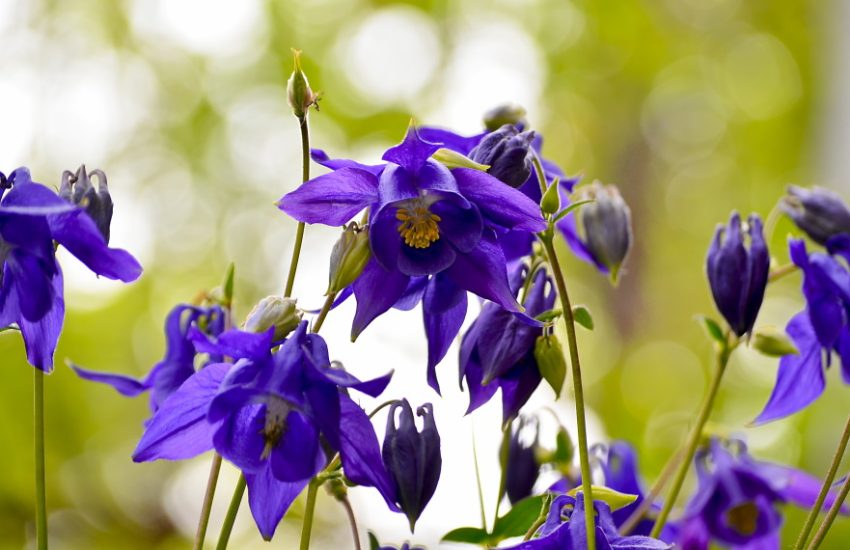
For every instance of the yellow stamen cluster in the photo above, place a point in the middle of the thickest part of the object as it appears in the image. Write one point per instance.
(418, 226)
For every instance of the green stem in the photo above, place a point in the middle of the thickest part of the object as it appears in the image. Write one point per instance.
(824, 490)
(694, 437)
(830, 516)
(534, 527)
(541, 173)
(40, 496)
(635, 518)
(299, 233)
(232, 510)
(581, 422)
(329, 302)
(349, 511)
(504, 450)
(204, 522)
(781, 272)
(307, 526)
(478, 482)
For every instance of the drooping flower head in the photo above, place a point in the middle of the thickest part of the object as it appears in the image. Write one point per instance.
(32, 218)
(77, 187)
(737, 498)
(605, 226)
(412, 457)
(178, 364)
(737, 271)
(270, 414)
(522, 467)
(564, 529)
(433, 233)
(819, 212)
(497, 351)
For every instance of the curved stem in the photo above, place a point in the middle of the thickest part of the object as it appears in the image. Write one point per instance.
(40, 493)
(352, 521)
(694, 437)
(824, 490)
(830, 516)
(581, 423)
(230, 518)
(204, 522)
(299, 233)
(307, 526)
(640, 512)
(534, 527)
(320, 319)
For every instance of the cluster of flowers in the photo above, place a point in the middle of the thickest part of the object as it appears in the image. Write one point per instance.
(443, 215)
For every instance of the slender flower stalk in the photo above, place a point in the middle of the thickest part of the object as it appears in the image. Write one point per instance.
(299, 233)
(478, 483)
(40, 497)
(569, 322)
(204, 521)
(824, 490)
(230, 518)
(307, 525)
(781, 272)
(349, 511)
(830, 516)
(329, 302)
(722, 357)
(654, 492)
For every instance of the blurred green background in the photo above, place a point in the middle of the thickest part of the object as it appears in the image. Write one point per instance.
(693, 107)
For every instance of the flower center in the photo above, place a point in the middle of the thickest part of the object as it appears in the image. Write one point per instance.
(743, 518)
(277, 410)
(418, 226)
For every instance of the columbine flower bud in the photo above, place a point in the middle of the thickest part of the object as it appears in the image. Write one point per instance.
(412, 457)
(503, 114)
(506, 152)
(76, 187)
(522, 466)
(737, 273)
(348, 257)
(274, 311)
(606, 224)
(301, 97)
(819, 212)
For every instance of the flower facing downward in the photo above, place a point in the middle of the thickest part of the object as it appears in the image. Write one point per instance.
(522, 466)
(738, 273)
(507, 152)
(606, 226)
(77, 188)
(819, 212)
(412, 457)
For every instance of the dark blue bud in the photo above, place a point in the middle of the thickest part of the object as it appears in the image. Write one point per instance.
(820, 213)
(606, 225)
(76, 187)
(738, 273)
(497, 117)
(522, 467)
(412, 457)
(507, 152)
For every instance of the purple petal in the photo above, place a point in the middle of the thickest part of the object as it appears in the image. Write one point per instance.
(298, 455)
(322, 158)
(123, 384)
(796, 486)
(385, 239)
(483, 272)
(361, 453)
(478, 393)
(332, 199)
(376, 291)
(33, 280)
(498, 202)
(413, 295)
(449, 139)
(517, 386)
(269, 499)
(396, 184)
(444, 309)
(412, 153)
(180, 429)
(28, 198)
(240, 438)
(234, 343)
(461, 226)
(418, 262)
(40, 337)
(800, 379)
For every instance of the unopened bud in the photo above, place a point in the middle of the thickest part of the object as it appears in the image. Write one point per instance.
(301, 96)
(606, 224)
(507, 152)
(274, 311)
(76, 187)
(551, 363)
(820, 213)
(503, 114)
(348, 257)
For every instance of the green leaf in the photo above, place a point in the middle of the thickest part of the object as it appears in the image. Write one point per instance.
(227, 286)
(551, 201)
(712, 329)
(612, 498)
(550, 361)
(453, 159)
(583, 317)
(547, 316)
(373, 542)
(518, 519)
(773, 342)
(471, 535)
(570, 208)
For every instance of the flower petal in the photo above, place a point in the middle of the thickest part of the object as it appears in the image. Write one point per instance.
(376, 290)
(240, 438)
(269, 499)
(298, 455)
(332, 199)
(418, 262)
(498, 202)
(41, 337)
(412, 153)
(483, 272)
(444, 309)
(322, 158)
(461, 226)
(123, 384)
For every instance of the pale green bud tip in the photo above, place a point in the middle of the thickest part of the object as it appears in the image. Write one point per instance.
(301, 96)
(274, 311)
(348, 257)
(773, 342)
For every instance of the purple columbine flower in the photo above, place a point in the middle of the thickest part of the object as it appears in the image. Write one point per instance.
(32, 218)
(737, 497)
(564, 529)
(412, 457)
(433, 234)
(819, 212)
(507, 152)
(269, 414)
(497, 350)
(817, 332)
(738, 273)
(179, 361)
(522, 467)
